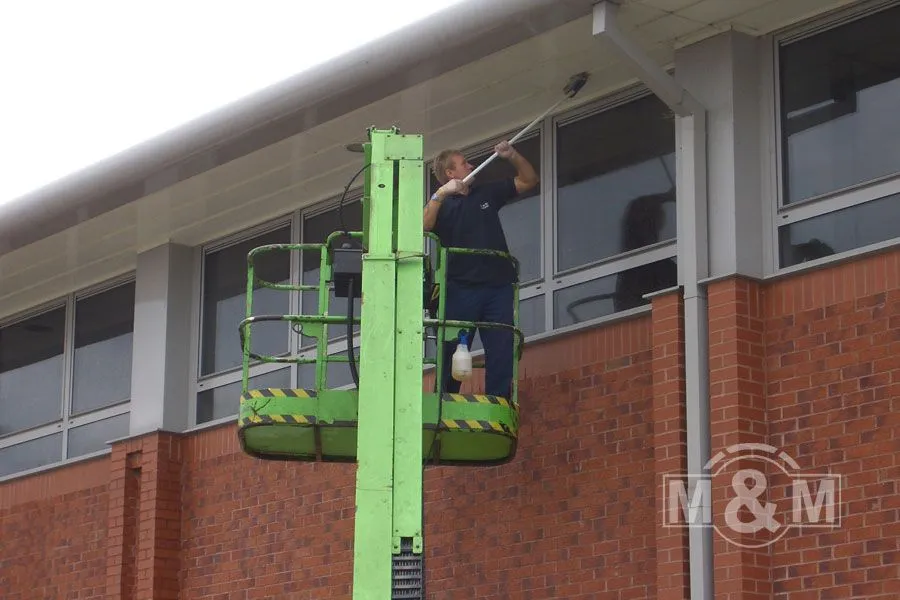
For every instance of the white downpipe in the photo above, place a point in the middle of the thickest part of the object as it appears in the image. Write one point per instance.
(693, 265)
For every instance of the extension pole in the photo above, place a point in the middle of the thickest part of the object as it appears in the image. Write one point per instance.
(574, 85)
(518, 136)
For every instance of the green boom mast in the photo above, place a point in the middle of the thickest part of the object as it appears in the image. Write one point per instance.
(389, 426)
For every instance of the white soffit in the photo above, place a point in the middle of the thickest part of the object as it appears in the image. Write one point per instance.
(499, 93)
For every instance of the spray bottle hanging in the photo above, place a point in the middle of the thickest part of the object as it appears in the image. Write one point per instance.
(461, 368)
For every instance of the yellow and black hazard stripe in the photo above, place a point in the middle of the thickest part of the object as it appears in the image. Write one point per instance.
(476, 398)
(278, 419)
(476, 425)
(278, 393)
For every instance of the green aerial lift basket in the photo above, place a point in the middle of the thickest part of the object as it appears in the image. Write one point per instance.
(306, 425)
(322, 424)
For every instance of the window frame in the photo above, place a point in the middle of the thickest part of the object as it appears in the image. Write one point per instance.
(295, 221)
(200, 383)
(338, 345)
(66, 421)
(609, 265)
(301, 215)
(545, 285)
(779, 214)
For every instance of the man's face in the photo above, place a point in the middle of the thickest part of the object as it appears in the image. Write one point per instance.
(461, 168)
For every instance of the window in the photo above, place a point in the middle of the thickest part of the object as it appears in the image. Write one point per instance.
(224, 307)
(615, 212)
(594, 238)
(840, 139)
(65, 378)
(316, 229)
(615, 183)
(612, 233)
(224, 301)
(612, 293)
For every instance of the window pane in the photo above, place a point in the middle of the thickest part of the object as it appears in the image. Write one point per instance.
(93, 436)
(839, 231)
(316, 230)
(338, 374)
(31, 454)
(839, 93)
(531, 315)
(31, 371)
(224, 401)
(611, 294)
(104, 325)
(521, 218)
(616, 182)
(224, 302)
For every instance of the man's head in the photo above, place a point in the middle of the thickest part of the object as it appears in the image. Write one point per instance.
(451, 164)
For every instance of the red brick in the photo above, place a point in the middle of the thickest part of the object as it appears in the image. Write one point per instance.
(806, 363)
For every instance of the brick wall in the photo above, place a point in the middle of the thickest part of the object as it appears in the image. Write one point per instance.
(807, 364)
(669, 440)
(572, 517)
(275, 529)
(144, 541)
(737, 416)
(53, 534)
(833, 366)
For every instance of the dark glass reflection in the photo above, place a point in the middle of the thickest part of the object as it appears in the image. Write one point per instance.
(93, 437)
(31, 371)
(839, 93)
(616, 170)
(225, 304)
(316, 230)
(612, 294)
(31, 454)
(104, 328)
(839, 231)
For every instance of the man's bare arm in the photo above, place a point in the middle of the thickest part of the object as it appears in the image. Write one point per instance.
(431, 213)
(526, 177)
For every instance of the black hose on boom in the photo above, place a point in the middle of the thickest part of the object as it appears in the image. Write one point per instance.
(351, 356)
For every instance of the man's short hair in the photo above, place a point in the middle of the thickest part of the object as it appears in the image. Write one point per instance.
(442, 162)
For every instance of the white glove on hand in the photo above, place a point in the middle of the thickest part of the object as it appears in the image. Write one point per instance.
(454, 186)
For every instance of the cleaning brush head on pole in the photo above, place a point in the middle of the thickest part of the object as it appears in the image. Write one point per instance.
(573, 86)
(575, 83)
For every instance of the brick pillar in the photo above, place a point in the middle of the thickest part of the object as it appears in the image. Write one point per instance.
(143, 558)
(669, 440)
(124, 509)
(738, 416)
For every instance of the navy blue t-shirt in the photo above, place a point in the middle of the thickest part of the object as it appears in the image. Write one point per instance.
(473, 221)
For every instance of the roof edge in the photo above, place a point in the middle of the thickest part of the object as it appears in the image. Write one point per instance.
(444, 41)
